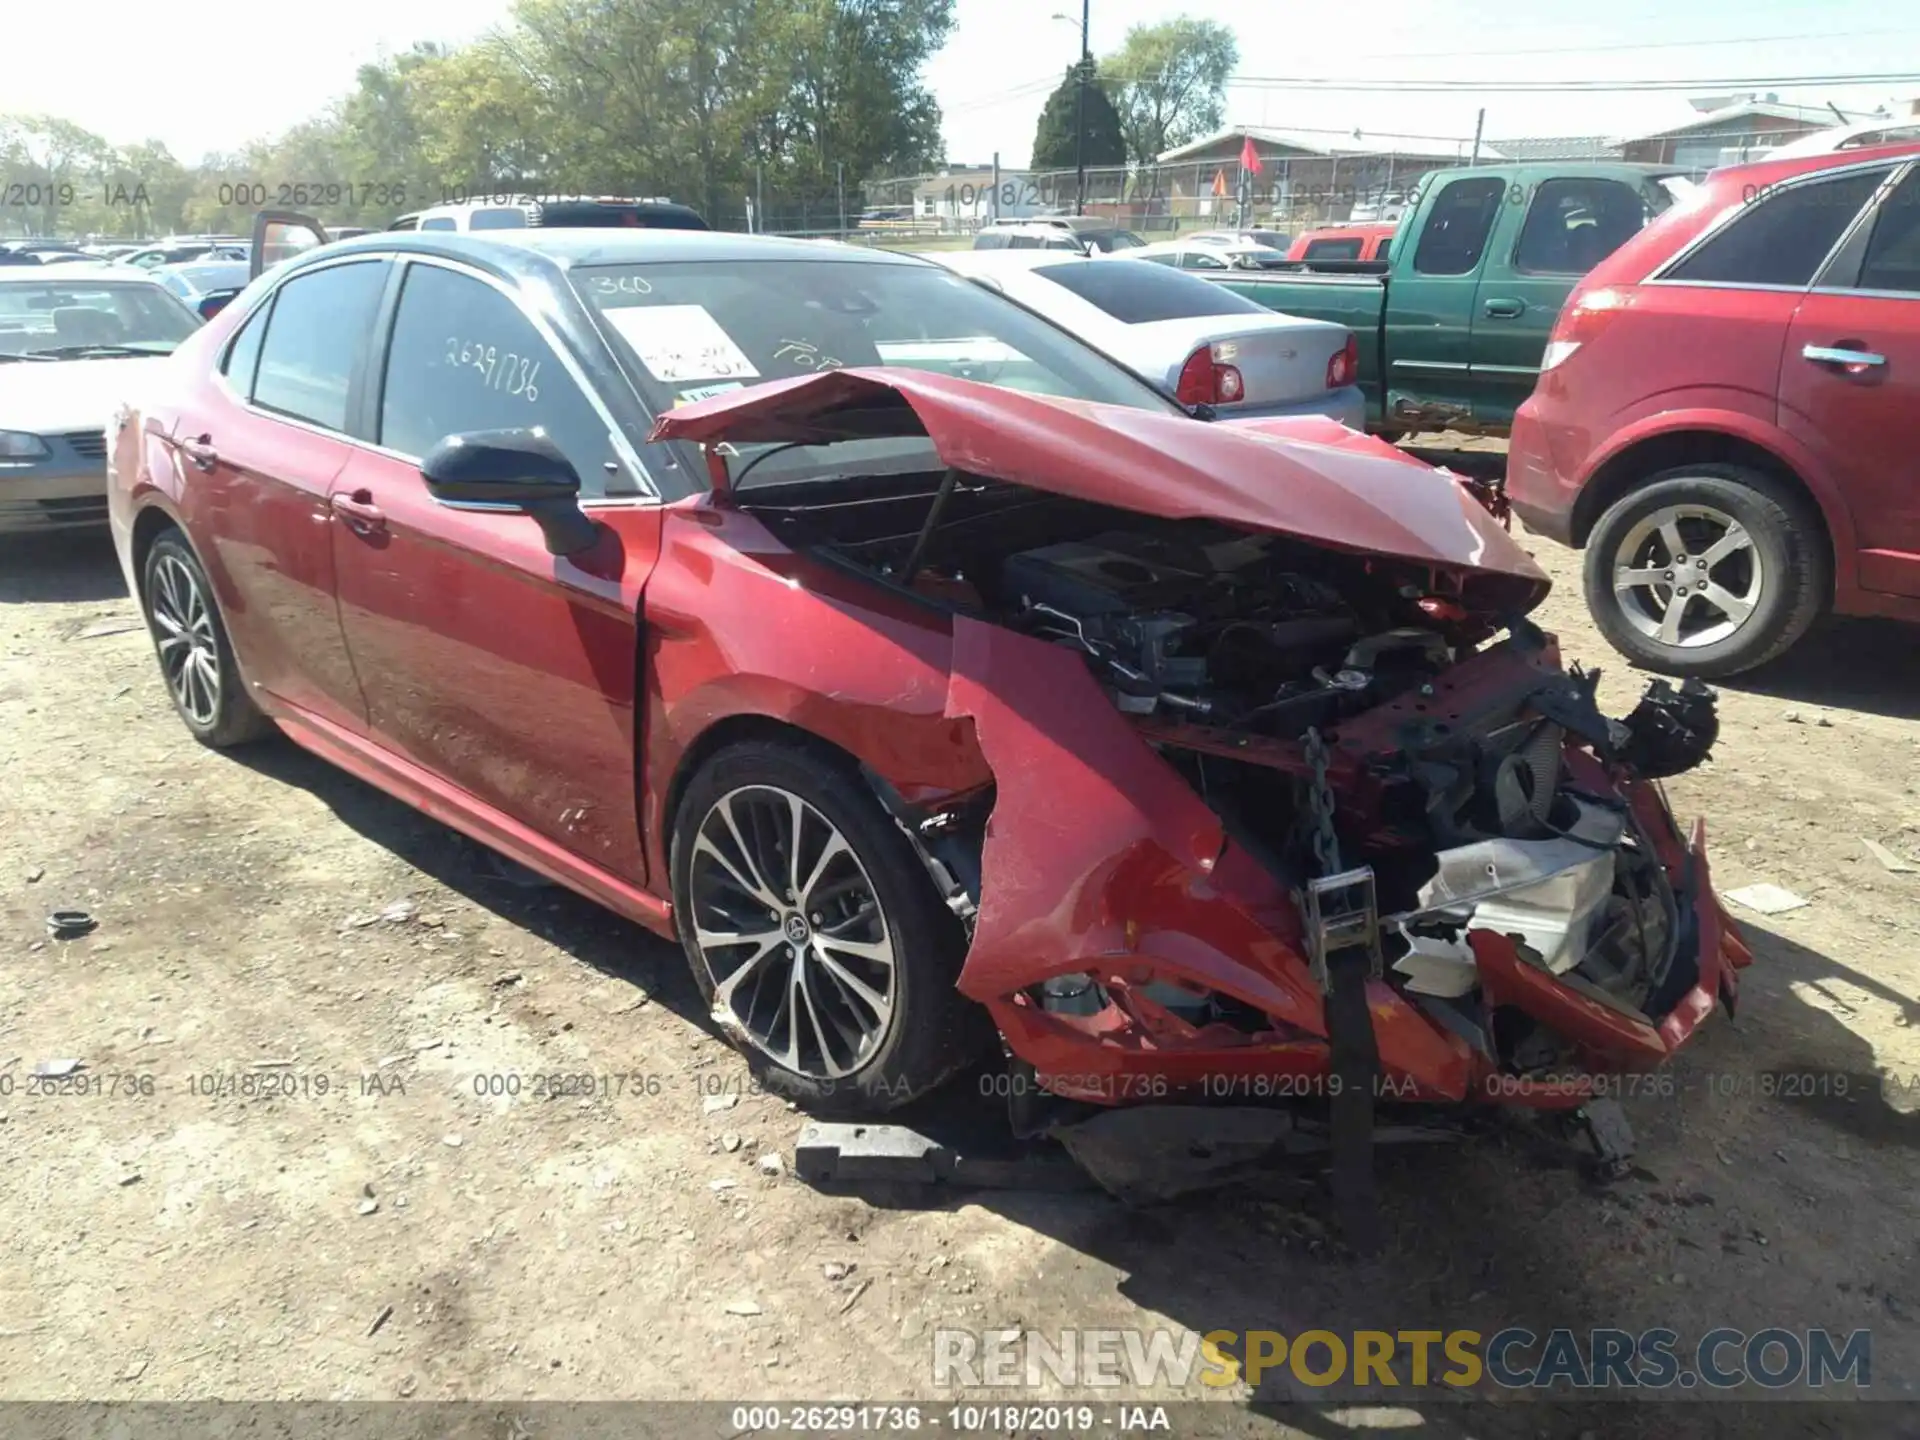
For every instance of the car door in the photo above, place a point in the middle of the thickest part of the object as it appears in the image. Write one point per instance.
(1850, 384)
(1430, 302)
(263, 459)
(506, 672)
(1571, 225)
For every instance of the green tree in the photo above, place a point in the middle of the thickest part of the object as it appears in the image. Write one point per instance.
(1169, 83)
(1054, 139)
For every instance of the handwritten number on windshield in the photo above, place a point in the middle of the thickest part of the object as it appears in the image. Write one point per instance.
(621, 285)
(805, 355)
(499, 370)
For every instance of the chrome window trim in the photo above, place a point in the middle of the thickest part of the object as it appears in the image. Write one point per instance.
(1865, 294)
(1733, 211)
(650, 492)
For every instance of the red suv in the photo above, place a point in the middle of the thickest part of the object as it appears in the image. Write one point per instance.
(1728, 413)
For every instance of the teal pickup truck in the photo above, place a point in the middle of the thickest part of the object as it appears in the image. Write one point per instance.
(1452, 328)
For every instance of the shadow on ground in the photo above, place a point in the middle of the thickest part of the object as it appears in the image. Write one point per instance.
(61, 567)
(1844, 663)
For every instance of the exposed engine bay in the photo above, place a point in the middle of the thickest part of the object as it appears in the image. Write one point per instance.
(1467, 773)
(1221, 632)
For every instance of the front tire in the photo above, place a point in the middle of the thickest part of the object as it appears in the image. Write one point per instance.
(196, 657)
(814, 933)
(1707, 570)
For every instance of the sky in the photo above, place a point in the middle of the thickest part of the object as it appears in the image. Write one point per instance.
(209, 86)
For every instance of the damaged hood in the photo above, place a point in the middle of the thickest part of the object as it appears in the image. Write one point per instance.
(1339, 489)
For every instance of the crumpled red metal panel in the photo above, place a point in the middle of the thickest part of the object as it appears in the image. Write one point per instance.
(1342, 490)
(1099, 857)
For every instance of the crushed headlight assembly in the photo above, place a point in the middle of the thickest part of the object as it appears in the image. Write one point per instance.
(20, 446)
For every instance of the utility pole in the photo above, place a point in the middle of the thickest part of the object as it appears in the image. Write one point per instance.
(1080, 112)
(1478, 126)
(840, 185)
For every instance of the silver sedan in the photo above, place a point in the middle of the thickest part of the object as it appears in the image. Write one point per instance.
(1197, 340)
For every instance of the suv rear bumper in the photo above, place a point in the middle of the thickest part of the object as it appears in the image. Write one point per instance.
(1539, 493)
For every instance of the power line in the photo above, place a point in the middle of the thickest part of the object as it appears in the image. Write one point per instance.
(1554, 87)
(1633, 45)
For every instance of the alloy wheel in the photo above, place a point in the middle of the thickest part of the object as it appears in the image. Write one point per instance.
(790, 928)
(183, 631)
(1688, 576)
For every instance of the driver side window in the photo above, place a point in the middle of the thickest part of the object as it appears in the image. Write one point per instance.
(465, 357)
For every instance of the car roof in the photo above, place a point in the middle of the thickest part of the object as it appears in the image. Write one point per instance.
(539, 250)
(1828, 142)
(1767, 171)
(102, 271)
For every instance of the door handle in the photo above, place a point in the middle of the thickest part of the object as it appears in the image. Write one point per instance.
(1506, 309)
(200, 452)
(363, 517)
(1840, 355)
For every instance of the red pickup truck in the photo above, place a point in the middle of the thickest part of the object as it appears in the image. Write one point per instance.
(1728, 414)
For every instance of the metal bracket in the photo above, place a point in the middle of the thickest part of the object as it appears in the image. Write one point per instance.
(1342, 913)
(1611, 1137)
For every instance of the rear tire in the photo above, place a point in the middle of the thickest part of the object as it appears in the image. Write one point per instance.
(196, 657)
(756, 816)
(1707, 570)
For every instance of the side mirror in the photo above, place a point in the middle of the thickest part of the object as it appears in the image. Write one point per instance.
(514, 470)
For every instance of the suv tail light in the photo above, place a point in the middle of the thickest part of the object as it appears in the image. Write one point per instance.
(1205, 381)
(1581, 319)
(1344, 368)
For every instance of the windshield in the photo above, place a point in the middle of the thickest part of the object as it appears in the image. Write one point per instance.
(687, 330)
(81, 320)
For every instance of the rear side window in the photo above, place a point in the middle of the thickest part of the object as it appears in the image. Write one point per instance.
(1201, 260)
(243, 354)
(438, 222)
(1893, 254)
(1137, 294)
(1384, 250)
(319, 326)
(1781, 237)
(990, 240)
(1333, 250)
(1572, 225)
(1458, 226)
(465, 357)
(1022, 242)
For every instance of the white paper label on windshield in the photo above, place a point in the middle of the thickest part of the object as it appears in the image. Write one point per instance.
(681, 342)
(705, 392)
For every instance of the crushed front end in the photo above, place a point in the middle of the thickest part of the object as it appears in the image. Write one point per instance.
(1495, 852)
(1286, 786)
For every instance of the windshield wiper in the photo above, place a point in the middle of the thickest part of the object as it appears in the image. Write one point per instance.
(92, 352)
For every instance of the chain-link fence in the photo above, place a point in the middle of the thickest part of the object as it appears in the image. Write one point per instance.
(1291, 192)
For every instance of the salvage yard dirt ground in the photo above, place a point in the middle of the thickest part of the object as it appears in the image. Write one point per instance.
(417, 1235)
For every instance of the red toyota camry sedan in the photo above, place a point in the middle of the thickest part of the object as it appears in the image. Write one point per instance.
(925, 673)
